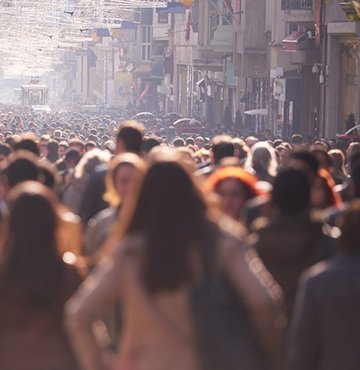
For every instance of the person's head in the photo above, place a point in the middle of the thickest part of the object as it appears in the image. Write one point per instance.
(349, 239)
(123, 169)
(5, 151)
(43, 141)
(234, 187)
(28, 143)
(320, 145)
(11, 140)
(322, 191)
(323, 159)
(222, 147)
(90, 145)
(31, 258)
(242, 151)
(22, 166)
(179, 142)
(52, 150)
(263, 158)
(297, 140)
(338, 161)
(305, 161)
(77, 144)
(190, 141)
(129, 137)
(149, 143)
(251, 141)
(291, 191)
(62, 148)
(90, 160)
(199, 141)
(282, 153)
(352, 149)
(48, 175)
(72, 157)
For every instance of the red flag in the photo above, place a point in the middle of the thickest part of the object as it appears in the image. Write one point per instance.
(228, 4)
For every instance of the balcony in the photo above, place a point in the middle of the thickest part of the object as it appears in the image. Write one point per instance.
(297, 4)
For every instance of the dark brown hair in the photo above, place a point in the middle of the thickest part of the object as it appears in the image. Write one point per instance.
(131, 134)
(171, 214)
(31, 260)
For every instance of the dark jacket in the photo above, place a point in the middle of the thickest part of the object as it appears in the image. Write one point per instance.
(325, 333)
(92, 201)
(288, 245)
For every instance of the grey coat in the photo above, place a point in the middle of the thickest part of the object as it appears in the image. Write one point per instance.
(325, 332)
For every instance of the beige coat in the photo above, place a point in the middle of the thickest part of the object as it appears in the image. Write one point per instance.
(157, 330)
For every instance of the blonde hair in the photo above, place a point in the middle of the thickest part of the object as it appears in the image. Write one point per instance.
(263, 155)
(127, 159)
(90, 160)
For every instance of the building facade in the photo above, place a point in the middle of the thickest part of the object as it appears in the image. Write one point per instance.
(276, 66)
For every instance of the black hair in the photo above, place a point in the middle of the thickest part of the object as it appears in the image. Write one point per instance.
(5, 149)
(21, 167)
(131, 134)
(222, 147)
(308, 159)
(31, 259)
(291, 191)
(27, 144)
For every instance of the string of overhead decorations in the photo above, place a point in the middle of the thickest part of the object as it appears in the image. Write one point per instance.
(35, 34)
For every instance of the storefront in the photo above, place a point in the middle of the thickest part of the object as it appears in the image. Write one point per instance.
(341, 76)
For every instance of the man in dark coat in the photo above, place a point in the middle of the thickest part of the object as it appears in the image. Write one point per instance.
(292, 241)
(325, 332)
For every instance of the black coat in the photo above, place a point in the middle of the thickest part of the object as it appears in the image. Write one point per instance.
(288, 246)
(325, 332)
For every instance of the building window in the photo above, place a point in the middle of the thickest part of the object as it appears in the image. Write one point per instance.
(309, 28)
(163, 18)
(145, 43)
(296, 4)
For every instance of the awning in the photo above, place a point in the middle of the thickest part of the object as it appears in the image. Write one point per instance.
(200, 82)
(292, 43)
(172, 8)
(123, 24)
(257, 112)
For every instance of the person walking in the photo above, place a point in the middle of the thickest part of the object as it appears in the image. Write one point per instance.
(325, 331)
(165, 250)
(35, 283)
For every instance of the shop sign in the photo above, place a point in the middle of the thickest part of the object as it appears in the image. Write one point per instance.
(280, 89)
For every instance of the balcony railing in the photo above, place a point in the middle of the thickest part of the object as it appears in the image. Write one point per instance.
(297, 4)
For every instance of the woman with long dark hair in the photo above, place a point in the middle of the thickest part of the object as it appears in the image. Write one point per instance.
(169, 245)
(34, 285)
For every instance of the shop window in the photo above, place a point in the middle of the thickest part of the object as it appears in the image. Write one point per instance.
(163, 18)
(145, 43)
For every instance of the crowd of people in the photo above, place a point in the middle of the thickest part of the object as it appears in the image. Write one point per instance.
(127, 246)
